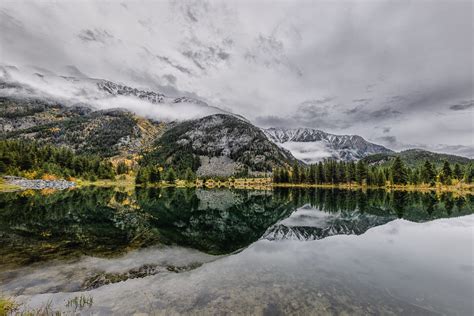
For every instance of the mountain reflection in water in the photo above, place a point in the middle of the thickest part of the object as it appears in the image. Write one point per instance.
(105, 222)
(186, 251)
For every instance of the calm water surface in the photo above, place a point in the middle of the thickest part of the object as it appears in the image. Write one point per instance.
(287, 251)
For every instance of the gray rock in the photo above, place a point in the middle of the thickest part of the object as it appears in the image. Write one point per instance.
(39, 184)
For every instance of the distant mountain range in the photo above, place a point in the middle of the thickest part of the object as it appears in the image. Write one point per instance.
(416, 157)
(215, 143)
(312, 145)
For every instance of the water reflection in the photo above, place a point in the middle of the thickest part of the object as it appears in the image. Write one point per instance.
(214, 221)
(139, 255)
(105, 222)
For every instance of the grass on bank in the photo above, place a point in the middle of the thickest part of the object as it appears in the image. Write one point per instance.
(6, 187)
(7, 306)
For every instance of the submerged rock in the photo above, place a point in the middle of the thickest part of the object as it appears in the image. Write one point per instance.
(145, 270)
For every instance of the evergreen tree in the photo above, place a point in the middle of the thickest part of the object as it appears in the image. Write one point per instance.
(469, 174)
(142, 176)
(361, 172)
(446, 173)
(428, 174)
(312, 174)
(295, 177)
(276, 173)
(457, 173)
(398, 171)
(415, 176)
(189, 175)
(171, 175)
(351, 172)
(302, 175)
(320, 173)
(341, 172)
(381, 178)
(154, 174)
(122, 168)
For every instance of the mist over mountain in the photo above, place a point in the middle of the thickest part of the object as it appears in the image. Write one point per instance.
(313, 64)
(311, 145)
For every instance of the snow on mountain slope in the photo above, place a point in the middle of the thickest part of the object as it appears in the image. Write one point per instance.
(312, 145)
(99, 94)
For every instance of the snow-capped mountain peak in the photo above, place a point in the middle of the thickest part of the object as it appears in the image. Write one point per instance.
(313, 145)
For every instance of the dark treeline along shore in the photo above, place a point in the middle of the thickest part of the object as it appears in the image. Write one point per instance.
(106, 222)
(362, 173)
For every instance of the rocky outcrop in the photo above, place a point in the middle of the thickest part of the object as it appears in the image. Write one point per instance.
(217, 145)
(39, 184)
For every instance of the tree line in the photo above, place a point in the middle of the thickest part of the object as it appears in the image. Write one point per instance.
(155, 174)
(33, 159)
(340, 172)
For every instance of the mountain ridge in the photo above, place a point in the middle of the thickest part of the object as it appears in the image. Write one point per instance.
(341, 147)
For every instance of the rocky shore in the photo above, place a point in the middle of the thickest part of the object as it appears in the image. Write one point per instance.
(39, 184)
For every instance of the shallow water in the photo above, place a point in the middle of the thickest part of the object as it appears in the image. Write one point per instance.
(287, 251)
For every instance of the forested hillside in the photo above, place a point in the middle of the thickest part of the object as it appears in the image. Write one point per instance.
(415, 158)
(105, 133)
(34, 160)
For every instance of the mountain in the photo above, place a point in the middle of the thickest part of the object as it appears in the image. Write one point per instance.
(216, 145)
(219, 144)
(86, 131)
(308, 223)
(312, 145)
(416, 157)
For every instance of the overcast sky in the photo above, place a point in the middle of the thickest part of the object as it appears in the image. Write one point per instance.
(399, 73)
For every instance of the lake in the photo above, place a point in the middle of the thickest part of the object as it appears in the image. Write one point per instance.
(221, 251)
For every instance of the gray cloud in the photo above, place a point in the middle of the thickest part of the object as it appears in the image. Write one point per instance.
(465, 105)
(389, 140)
(96, 35)
(264, 61)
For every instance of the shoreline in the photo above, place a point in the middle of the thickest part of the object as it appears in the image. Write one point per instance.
(10, 183)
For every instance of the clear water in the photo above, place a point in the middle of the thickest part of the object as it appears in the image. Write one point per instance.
(287, 251)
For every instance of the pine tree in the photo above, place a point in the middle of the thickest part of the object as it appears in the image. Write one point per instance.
(469, 174)
(171, 175)
(122, 168)
(303, 175)
(312, 174)
(276, 175)
(320, 173)
(457, 173)
(415, 176)
(189, 175)
(446, 173)
(295, 177)
(351, 172)
(428, 175)
(381, 178)
(341, 172)
(285, 176)
(154, 174)
(142, 176)
(398, 171)
(361, 172)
